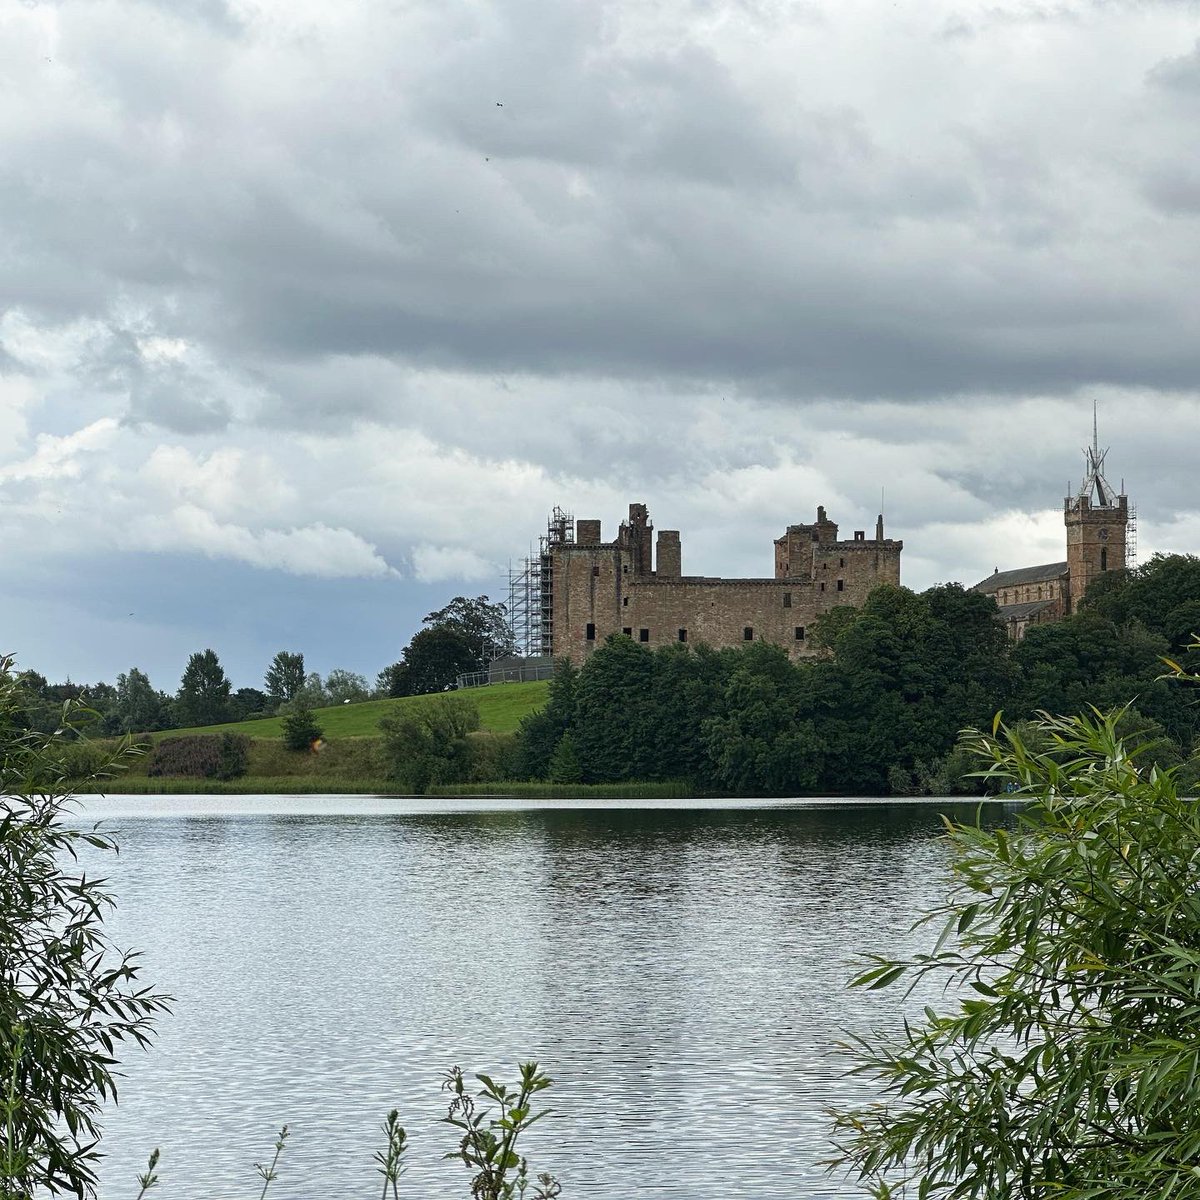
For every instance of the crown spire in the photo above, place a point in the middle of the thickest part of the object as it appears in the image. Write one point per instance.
(1095, 488)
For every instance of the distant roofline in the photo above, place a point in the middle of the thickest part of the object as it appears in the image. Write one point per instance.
(1038, 574)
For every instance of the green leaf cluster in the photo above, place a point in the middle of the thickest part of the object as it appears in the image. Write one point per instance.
(426, 742)
(1067, 1065)
(68, 998)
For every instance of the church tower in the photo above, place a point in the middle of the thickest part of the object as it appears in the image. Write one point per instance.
(1097, 519)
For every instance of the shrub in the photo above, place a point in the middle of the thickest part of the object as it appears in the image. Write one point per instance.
(492, 757)
(68, 997)
(300, 730)
(426, 742)
(1068, 1067)
(201, 756)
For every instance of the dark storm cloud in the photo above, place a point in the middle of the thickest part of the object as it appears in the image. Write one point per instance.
(524, 191)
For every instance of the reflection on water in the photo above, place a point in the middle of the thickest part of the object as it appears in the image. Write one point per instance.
(680, 973)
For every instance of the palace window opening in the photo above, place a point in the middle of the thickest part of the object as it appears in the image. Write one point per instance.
(643, 635)
(683, 635)
(1104, 560)
(624, 601)
(591, 632)
(841, 585)
(627, 631)
(748, 634)
(787, 599)
(799, 633)
(596, 571)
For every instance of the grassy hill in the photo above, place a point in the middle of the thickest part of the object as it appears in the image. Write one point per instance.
(501, 707)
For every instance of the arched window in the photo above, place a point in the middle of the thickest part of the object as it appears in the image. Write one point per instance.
(1104, 559)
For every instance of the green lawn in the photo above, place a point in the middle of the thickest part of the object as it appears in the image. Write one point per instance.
(501, 707)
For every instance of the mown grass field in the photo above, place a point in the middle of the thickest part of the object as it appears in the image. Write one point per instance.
(501, 707)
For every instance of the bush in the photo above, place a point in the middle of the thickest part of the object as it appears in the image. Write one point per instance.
(1069, 1068)
(426, 742)
(201, 756)
(300, 730)
(492, 757)
(68, 997)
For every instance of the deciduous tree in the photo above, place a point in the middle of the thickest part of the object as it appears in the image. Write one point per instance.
(284, 677)
(1065, 1065)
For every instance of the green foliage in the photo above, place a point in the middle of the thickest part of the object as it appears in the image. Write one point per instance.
(201, 756)
(284, 677)
(564, 765)
(203, 697)
(68, 998)
(489, 1143)
(300, 729)
(391, 1160)
(1162, 595)
(346, 687)
(540, 731)
(614, 715)
(461, 638)
(878, 712)
(492, 757)
(426, 742)
(247, 703)
(483, 625)
(139, 708)
(436, 657)
(1067, 1066)
(393, 681)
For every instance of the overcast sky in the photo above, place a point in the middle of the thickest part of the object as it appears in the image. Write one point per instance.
(310, 312)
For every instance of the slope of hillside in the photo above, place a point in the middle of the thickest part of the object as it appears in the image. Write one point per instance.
(501, 707)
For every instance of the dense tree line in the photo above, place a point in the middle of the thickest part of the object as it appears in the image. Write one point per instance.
(881, 710)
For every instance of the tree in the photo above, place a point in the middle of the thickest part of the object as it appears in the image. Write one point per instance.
(311, 695)
(613, 726)
(68, 998)
(346, 687)
(1067, 1068)
(541, 730)
(249, 702)
(436, 657)
(284, 677)
(393, 681)
(203, 697)
(139, 708)
(300, 729)
(483, 625)
(425, 741)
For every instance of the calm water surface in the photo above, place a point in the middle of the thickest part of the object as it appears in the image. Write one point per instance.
(679, 971)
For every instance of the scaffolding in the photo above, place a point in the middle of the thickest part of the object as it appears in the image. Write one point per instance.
(1131, 549)
(531, 590)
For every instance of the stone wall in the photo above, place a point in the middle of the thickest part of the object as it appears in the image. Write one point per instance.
(602, 588)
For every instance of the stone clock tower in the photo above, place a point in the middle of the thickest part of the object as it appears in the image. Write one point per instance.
(1096, 518)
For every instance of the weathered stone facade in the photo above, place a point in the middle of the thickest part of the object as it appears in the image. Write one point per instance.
(635, 585)
(1097, 523)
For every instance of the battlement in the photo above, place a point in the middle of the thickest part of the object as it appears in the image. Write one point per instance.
(634, 585)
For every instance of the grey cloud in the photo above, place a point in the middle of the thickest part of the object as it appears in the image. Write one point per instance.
(646, 214)
(1174, 189)
(1179, 75)
(165, 393)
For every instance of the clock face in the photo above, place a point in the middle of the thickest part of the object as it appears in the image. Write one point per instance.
(1104, 535)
